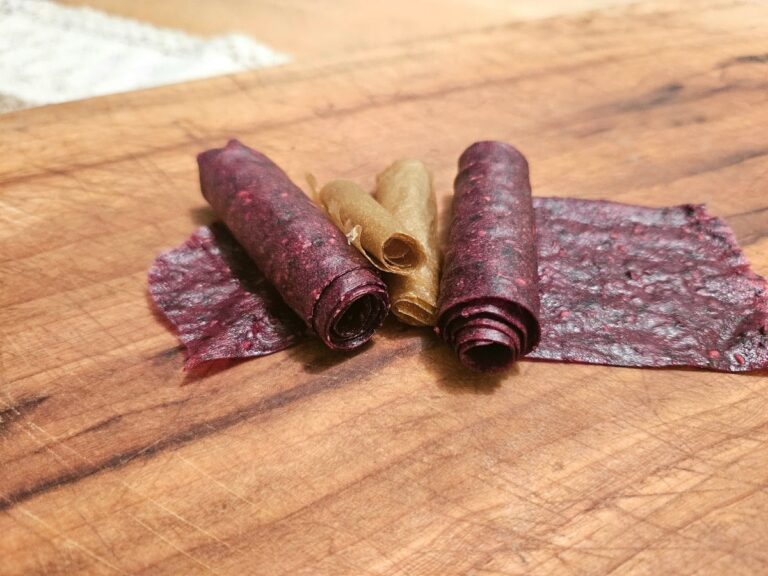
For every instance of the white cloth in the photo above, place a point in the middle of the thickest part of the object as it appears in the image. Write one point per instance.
(52, 53)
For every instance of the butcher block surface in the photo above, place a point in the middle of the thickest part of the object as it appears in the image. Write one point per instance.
(391, 460)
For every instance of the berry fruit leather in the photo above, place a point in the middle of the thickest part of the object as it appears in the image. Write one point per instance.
(488, 306)
(634, 286)
(327, 283)
(618, 285)
(220, 304)
(595, 281)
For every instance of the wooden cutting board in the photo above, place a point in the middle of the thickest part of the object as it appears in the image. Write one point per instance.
(392, 460)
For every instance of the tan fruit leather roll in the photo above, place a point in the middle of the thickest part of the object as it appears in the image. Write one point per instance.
(370, 228)
(405, 190)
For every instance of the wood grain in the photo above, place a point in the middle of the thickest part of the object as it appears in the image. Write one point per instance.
(307, 28)
(392, 460)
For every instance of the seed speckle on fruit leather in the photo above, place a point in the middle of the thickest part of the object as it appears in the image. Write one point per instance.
(599, 282)
(633, 286)
(489, 300)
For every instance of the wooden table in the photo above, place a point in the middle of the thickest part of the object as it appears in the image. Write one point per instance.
(308, 28)
(392, 460)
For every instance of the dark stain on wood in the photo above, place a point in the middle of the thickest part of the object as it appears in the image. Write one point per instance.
(99, 426)
(347, 373)
(19, 410)
(730, 160)
(746, 59)
(657, 97)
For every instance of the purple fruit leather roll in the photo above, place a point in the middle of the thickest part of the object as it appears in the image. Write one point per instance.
(489, 294)
(327, 283)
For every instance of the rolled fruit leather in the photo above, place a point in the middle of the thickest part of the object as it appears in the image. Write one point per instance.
(327, 283)
(405, 190)
(488, 306)
(370, 228)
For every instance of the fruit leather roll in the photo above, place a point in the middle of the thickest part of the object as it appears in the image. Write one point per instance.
(370, 228)
(488, 307)
(326, 282)
(405, 190)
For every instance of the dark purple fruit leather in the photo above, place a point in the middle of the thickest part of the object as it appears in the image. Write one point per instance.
(632, 286)
(552, 278)
(321, 279)
(488, 309)
(219, 302)
(619, 285)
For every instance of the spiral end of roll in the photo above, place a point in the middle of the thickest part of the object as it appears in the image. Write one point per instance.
(350, 309)
(489, 336)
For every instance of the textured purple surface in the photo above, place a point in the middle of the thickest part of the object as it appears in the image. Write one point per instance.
(633, 286)
(619, 285)
(489, 300)
(305, 257)
(219, 303)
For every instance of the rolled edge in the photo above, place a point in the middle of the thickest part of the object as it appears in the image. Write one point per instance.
(402, 253)
(405, 189)
(414, 311)
(350, 309)
(489, 335)
(371, 228)
(486, 349)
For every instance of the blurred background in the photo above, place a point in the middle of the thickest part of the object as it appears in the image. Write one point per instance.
(57, 51)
